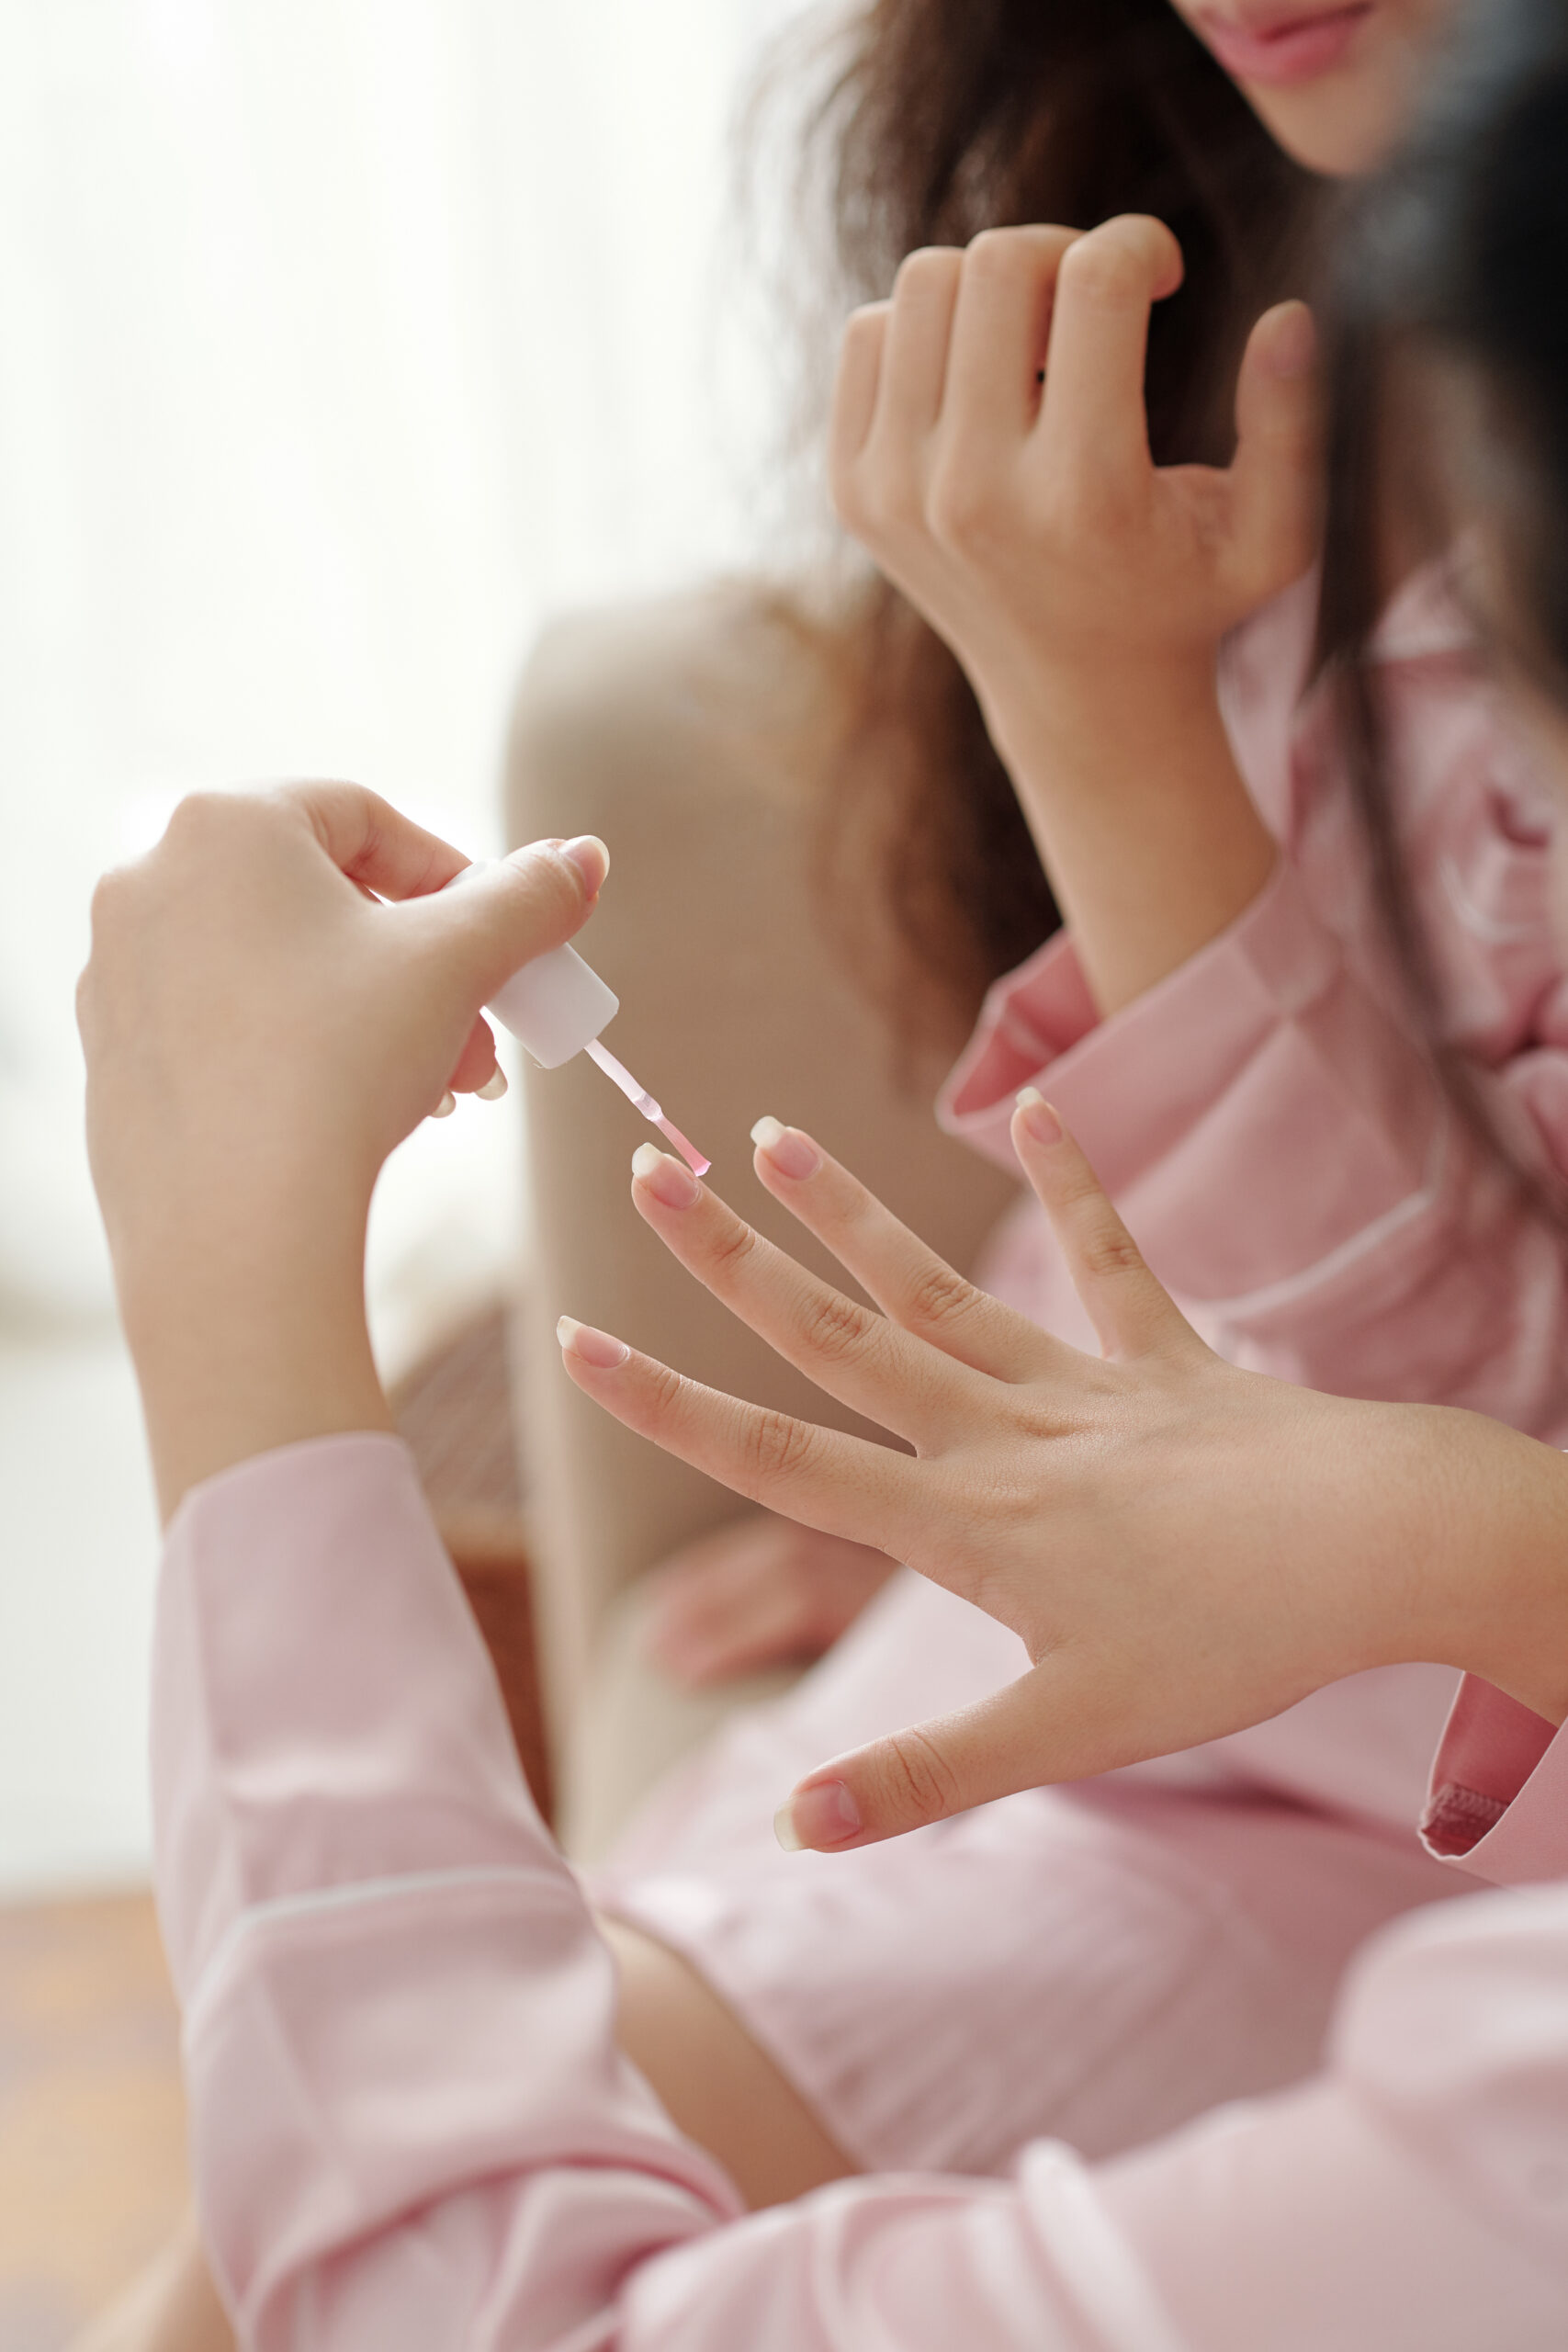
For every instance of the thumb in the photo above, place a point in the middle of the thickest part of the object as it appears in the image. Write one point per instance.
(492, 918)
(1276, 480)
(1032, 1732)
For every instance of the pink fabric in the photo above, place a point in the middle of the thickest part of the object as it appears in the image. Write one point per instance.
(1268, 1128)
(1140, 1948)
(1262, 1116)
(411, 2126)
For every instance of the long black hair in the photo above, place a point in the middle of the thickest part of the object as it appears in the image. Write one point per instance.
(1451, 283)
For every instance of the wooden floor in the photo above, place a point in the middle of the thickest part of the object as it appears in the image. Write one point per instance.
(92, 2127)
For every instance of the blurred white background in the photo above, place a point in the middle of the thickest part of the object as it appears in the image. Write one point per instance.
(342, 340)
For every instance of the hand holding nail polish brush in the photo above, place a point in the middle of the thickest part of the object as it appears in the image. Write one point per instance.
(556, 1007)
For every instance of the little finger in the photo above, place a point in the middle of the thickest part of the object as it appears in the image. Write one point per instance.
(1131, 1313)
(842, 1484)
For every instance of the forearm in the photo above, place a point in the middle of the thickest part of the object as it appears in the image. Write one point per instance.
(1143, 822)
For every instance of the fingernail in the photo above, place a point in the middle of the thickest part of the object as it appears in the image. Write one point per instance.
(816, 1818)
(592, 859)
(1292, 346)
(495, 1086)
(665, 1178)
(1040, 1122)
(597, 1347)
(446, 1105)
(786, 1149)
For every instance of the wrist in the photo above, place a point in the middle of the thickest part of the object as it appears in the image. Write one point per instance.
(1501, 1542)
(1462, 1559)
(245, 1319)
(1140, 815)
(1111, 709)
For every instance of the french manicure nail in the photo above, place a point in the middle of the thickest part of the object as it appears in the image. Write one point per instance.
(665, 1178)
(816, 1818)
(1039, 1121)
(592, 859)
(597, 1347)
(789, 1151)
(446, 1105)
(495, 1086)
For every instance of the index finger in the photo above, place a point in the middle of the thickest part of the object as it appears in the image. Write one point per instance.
(1093, 410)
(372, 842)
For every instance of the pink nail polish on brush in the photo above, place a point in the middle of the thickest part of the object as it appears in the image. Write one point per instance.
(556, 1006)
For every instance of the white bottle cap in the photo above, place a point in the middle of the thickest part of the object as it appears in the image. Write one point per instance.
(555, 1006)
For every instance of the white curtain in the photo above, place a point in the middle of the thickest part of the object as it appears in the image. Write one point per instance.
(339, 341)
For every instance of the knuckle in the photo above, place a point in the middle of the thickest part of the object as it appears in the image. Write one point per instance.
(775, 1446)
(964, 506)
(1109, 1249)
(917, 1781)
(939, 1297)
(926, 270)
(837, 1328)
(732, 1250)
(199, 813)
(998, 252)
(667, 1391)
(1015, 255)
(888, 513)
(1105, 269)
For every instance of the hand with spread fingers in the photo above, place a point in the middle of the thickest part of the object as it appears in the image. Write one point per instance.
(1183, 1547)
(990, 449)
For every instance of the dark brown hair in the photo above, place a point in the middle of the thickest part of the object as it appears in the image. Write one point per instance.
(946, 116)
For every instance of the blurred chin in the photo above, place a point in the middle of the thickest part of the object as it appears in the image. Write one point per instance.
(1339, 136)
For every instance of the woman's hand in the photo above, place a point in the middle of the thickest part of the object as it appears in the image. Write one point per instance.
(762, 1591)
(989, 446)
(1183, 1547)
(261, 1028)
(1085, 589)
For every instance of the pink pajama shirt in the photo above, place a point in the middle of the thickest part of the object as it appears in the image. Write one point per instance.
(1176, 1937)
(411, 2127)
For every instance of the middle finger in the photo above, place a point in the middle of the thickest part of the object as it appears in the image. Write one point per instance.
(852, 1353)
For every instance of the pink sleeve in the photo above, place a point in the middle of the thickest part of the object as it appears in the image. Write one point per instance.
(411, 2125)
(1274, 1139)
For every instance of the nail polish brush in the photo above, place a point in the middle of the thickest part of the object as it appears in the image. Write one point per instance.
(556, 1006)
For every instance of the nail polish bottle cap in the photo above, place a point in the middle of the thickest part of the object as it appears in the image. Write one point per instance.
(555, 1006)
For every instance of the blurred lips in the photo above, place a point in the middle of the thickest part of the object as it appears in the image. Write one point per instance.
(1275, 46)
